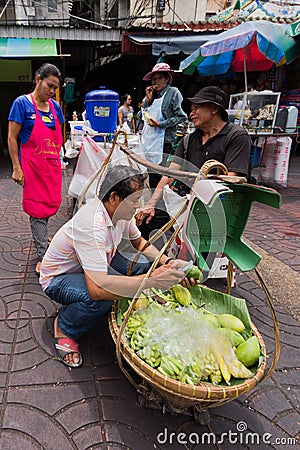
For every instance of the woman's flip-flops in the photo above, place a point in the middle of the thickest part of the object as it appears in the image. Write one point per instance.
(65, 346)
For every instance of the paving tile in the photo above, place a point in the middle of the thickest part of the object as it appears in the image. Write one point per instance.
(88, 437)
(289, 357)
(18, 440)
(290, 423)
(28, 360)
(4, 363)
(293, 395)
(79, 414)
(37, 306)
(51, 398)
(269, 403)
(287, 376)
(7, 332)
(119, 388)
(41, 428)
(116, 410)
(55, 370)
(10, 287)
(119, 435)
(3, 379)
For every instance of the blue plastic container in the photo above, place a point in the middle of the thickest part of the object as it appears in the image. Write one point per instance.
(102, 110)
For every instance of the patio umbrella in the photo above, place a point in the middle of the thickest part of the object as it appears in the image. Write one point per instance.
(251, 46)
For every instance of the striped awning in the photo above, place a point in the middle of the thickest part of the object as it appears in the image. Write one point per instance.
(27, 48)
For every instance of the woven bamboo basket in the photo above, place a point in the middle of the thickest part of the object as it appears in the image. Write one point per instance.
(180, 397)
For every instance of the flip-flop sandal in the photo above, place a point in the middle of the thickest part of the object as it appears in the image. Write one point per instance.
(64, 346)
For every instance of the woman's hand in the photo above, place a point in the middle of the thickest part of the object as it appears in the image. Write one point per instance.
(148, 212)
(152, 122)
(18, 176)
(149, 94)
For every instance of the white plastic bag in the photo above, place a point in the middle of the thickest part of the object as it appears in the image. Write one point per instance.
(173, 203)
(90, 159)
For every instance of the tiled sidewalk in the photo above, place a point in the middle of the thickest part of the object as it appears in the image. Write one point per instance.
(45, 405)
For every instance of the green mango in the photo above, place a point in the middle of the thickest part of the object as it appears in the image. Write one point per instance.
(235, 338)
(213, 320)
(230, 321)
(248, 352)
(195, 273)
(182, 295)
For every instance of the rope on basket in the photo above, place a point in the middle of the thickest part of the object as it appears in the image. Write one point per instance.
(229, 278)
(119, 339)
(276, 355)
(157, 235)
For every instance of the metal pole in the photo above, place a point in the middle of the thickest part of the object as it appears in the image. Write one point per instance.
(245, 70)
(5, 6)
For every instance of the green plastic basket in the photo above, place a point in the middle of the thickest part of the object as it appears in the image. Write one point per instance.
(218, 226)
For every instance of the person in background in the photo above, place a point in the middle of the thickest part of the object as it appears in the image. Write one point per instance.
(126, 113)
(214, 138)
(139, 118)
(162, 113)
(84, 267)
(36, 120)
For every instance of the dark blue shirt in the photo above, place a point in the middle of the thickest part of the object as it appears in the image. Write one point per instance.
(22, 111)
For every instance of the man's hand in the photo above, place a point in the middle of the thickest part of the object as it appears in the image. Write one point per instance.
(145, 212)
(18, 176)
(168, 275)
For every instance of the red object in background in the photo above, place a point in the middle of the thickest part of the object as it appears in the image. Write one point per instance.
(255, 60)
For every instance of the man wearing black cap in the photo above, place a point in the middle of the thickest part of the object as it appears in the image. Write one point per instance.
(214, 138)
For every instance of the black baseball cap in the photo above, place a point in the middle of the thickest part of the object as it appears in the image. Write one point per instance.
(212, 94)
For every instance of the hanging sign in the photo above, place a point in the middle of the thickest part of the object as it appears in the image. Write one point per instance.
(161, 5)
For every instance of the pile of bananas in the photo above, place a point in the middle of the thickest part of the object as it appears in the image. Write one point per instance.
(186, 342)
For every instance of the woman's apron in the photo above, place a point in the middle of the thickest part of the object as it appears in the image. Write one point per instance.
(41, 165)
(153, 137)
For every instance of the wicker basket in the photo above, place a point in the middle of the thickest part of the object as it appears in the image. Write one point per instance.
(183, 395)
(178, 396)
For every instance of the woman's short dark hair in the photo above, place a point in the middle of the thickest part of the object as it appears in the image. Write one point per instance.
(48, 70)
(118, 179)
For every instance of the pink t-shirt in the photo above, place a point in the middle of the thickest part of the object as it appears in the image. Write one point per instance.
(86, 242)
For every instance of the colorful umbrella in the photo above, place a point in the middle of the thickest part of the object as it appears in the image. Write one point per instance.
(251, 46)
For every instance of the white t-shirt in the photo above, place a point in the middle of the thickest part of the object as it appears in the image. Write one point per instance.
(88, 241)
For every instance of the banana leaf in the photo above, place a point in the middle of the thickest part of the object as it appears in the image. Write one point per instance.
(121, 307)
(218, 303)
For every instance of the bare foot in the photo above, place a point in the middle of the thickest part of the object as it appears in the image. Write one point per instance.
(38, 267)
(71, 358)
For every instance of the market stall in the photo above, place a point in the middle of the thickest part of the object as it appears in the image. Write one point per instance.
(271, 129)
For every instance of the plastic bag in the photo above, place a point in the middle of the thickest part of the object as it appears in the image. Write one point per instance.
(90, 159)
(173, 203)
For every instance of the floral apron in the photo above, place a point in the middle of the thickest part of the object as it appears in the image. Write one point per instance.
(40, 161)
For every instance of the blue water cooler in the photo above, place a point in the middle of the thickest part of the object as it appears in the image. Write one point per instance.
(101, 108)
